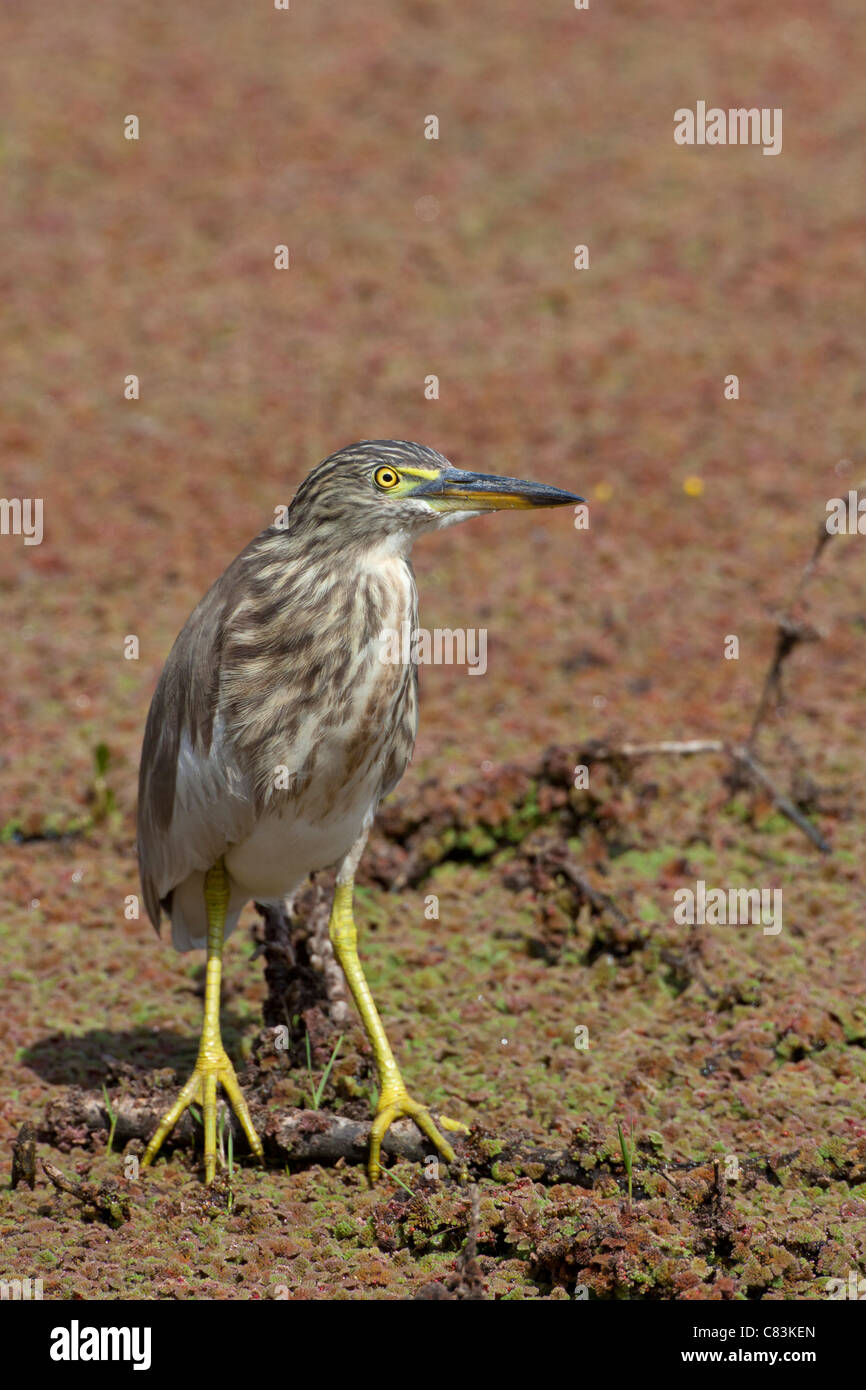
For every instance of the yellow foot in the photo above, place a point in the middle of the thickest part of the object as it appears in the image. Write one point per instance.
(212, 1067)
(393, 1105)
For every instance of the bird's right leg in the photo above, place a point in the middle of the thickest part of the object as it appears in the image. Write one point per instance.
(394, 1098)
(213, 1065)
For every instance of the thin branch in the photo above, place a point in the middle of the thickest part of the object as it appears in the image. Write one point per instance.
(300, 1138)
(686, 748)
(746, 759)
(790, 631)
(105, 1202)
(741, 755)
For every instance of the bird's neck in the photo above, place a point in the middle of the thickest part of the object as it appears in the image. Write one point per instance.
(396, 545)
(385, 571)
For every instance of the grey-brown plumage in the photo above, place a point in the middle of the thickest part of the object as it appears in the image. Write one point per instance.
(279, 723)
(275, 702)
(279, 667)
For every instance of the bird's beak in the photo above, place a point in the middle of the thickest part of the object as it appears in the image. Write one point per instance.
(455, 490)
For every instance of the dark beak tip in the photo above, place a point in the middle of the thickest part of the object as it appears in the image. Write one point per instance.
(564, 499)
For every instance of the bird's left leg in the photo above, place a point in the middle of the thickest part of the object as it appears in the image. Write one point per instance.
(394, 1098)
(214, 1065)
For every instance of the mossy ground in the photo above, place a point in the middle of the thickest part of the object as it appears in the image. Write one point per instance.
(755, 1056)
(711, 1045)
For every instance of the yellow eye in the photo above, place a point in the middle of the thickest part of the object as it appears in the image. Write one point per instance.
(385, 477)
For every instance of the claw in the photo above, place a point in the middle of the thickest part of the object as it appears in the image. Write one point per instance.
(456, 1126)
(394, 1106)
(213, 1068)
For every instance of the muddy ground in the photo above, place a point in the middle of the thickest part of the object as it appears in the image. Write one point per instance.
(731, 1060)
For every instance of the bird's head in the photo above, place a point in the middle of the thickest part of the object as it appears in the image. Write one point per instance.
(383, 489)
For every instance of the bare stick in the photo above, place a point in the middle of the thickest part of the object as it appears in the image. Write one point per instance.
(687, 748)
(105, 1202)
(782, 803)
(790, 632)
(303, 1137)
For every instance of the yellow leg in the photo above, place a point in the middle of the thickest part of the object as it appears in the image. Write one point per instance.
(394, 1099)
(213, 1065)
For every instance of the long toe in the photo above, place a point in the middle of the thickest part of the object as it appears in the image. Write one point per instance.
(211, 1070)
(395, 1106)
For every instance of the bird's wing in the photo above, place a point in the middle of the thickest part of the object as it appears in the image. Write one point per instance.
(193, 799)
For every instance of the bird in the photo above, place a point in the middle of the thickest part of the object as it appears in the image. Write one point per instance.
(276, 728)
